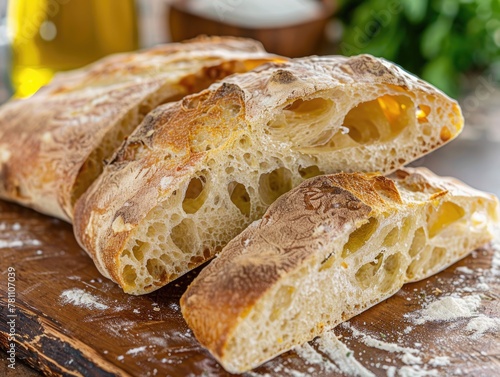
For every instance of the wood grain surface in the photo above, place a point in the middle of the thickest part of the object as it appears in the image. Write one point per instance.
(71, 321)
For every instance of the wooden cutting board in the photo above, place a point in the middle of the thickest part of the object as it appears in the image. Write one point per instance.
(71, 321)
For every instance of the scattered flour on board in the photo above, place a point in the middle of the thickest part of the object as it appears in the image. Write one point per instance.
(342, 356)
(448, 308)
(482, 324)
(410, 359)
(407, 355)
(135, 351)
(312, 357)
(416, 371)
(375, 343)
(341, 359)
(82, 298)
(439, 361)
(18, 243)
(464, 270)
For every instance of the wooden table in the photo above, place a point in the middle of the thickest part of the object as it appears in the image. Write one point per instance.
(105, 332)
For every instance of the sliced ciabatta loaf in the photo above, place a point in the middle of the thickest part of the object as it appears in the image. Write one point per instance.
(326, 251)
(197, 172)
(52, 145)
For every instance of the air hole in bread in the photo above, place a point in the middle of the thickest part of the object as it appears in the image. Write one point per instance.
(407, 226)
(245, 142)
(304, 122)
(129, 275)
(178, 236)
(425, 261)
(438, 255)
(264, 165)
(419, 240)
(381, 119)
(138, 250)
(443, 217)
(310, 171)
(274, 184)
(249, 159)
(195, 195)
(304, 107)
(167, 259)
(240, 197)
(391, 238)
(426, 130)
(366, 272)
(282, 301)
(156, 269)
(422, 111)
(445, 134)
(391, 267)
(359, 237)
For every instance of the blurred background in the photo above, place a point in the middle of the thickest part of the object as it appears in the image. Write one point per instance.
(454, 44)
(447, 42)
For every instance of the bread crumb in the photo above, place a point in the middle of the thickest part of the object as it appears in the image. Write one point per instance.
(437, 291)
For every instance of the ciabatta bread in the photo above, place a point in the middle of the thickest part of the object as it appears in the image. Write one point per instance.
(52, 145)
(326, 251)
(195, 173)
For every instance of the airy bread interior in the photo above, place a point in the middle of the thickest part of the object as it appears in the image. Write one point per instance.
(238, 178)
(346, 273)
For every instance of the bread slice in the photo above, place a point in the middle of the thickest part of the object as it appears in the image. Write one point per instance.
(197, 172)
(326, 251)
(52, 145)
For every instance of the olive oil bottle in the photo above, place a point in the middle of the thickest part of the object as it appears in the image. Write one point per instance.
(48, 36)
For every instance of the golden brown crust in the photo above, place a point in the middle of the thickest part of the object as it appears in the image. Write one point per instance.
(261, 256)
(45, 140)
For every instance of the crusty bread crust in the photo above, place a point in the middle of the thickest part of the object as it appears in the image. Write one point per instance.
(311, 229)
(197, 172)
(52, 144)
